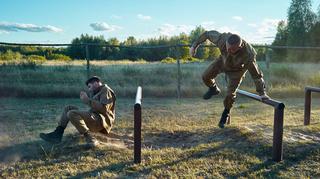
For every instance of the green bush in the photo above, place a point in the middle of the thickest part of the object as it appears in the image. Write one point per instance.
(10, 55)
(60, 57)
(32, 61)
(36, 58)
(168, 60)
(191, 60)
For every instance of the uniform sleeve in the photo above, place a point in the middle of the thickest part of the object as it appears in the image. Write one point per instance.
(257, 77)
(251, 51)
(213, 36)
(106, 98)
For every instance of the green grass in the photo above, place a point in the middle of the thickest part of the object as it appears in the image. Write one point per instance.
(180, 139)
(157, 79)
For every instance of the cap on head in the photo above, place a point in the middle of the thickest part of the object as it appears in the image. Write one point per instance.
(93, 79)
(234, 39)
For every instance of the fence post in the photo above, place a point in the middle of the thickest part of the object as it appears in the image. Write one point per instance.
(179, 79)
(268, 57)
(277, 147)
(177, 55)
(307, 106)
(88, 61)
(277, 123)
(137, 126)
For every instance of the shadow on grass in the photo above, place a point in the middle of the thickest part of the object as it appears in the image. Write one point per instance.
(41, 150)
(232, 139)
(239, 142)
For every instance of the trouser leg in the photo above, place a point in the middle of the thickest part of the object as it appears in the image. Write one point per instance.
(85, 121)
(233, 85)
(64, 120)
(211, 72)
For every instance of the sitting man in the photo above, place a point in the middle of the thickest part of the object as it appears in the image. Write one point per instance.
(100, 118)
(237, 57)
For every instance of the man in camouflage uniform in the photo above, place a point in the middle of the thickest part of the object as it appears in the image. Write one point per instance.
(100, 117)
(237, 57)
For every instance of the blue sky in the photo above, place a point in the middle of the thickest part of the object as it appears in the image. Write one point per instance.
(59, 21)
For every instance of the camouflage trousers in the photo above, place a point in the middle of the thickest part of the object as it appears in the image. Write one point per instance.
(84, 121)
(234, 80)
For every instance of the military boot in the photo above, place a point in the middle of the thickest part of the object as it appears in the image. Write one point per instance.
(211, 91)
(91, 141)
(224, 117)
(53, 137)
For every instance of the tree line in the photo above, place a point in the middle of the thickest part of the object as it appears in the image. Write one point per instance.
(103, 52)
(301, 28)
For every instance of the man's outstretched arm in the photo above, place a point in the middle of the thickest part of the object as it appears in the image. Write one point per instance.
(257, 77)
(210, 35)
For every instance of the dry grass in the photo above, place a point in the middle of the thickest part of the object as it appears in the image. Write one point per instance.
(157, 79)
(180, 139)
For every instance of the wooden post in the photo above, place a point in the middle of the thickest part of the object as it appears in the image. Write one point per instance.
(179, 80)
(137, 126)
(268, 57)
(277, 147)
(277, 122)
(307, 106)
(177, 56)
(88, 61)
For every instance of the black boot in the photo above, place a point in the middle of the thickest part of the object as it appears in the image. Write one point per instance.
(92, 142)
(225, 115)
(53, 137)
(211, 91)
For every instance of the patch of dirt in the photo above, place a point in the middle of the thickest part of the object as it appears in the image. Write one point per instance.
(115, 140)
(289, 136)
(71, 144)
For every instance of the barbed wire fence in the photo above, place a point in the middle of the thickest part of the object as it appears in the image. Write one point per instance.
(174, 48)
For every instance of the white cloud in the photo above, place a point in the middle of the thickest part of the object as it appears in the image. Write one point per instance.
(223, 29)
(102, 26)
(16, 27)
(252, 25)
(264, 31)
(208, 25)
(267, 26)
(170, 30)
(237, 18)
(143, 17)
(116, 17)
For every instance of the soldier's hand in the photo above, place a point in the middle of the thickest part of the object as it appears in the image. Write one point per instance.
(192, 51)
(84, 97)
(264, 97)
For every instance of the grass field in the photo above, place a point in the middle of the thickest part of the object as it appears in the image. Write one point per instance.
(157, 79)
(180, 139)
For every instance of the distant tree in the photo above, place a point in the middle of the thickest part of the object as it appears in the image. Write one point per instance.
(195, 34)
(300, 21)
(184, 40)
(112, 52)
(129, 53)
(95, 52)
(202, 53)
(280, 40)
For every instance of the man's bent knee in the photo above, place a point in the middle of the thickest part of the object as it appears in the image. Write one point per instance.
(72, 114)
(70, 107)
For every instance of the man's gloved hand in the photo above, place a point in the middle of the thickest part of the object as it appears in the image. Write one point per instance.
(264, 96)
(192, 51)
